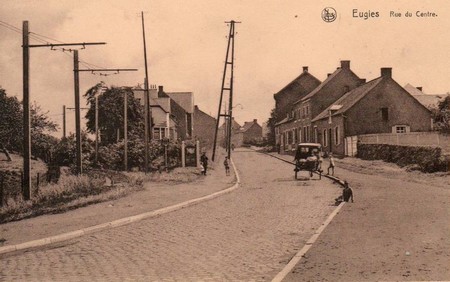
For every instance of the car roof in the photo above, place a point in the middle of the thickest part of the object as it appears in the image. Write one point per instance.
(310, 144)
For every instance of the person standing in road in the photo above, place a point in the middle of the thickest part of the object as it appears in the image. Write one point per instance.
(347, 193)
(331, 164)
(227, 166)
(204, 162)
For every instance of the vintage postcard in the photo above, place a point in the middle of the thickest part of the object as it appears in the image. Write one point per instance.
(207, 140)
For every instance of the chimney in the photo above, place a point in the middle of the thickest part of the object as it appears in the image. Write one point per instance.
(345, 64)
(255, 121)
(386, 72)
(419, 88)
(160, 91)
(305, 69)
(362, 81)
(328, 74)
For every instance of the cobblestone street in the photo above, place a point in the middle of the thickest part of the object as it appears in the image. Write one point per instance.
(247, 235)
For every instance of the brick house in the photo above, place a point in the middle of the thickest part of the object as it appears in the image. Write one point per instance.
(379, 106)
(186, 101)
(204, 128)
(170, 120)
(292, 92)
(250, 131)
(297, 126)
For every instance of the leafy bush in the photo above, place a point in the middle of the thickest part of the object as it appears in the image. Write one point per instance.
(111, 156)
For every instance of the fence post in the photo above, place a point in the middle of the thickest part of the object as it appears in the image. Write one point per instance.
(21, 182)
(197, 152)
(183, 154)
(37, 183)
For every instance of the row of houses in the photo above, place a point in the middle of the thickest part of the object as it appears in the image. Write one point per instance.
(247, 133)
(344, 105)
(175, 116)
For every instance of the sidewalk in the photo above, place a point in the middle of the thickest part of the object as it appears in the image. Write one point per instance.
(155, 196)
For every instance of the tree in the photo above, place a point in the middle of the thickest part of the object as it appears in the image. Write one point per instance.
(11, 126)
(271, 137)
(64, 152)
(110, 112)
(11, 122)
(441, 115)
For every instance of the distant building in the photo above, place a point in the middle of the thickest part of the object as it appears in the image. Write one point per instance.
(170, 119)
(378, 106)
(186, 101)
(249, 132)
(428, 100)
(205, 126)
(222, 132)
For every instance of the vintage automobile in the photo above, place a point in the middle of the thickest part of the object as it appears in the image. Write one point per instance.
(308, 158)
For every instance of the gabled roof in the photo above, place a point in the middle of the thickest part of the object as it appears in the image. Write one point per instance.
(247, 125)
(234, 125)
(197, 110)
(413, 90)
(349, 99)
(297, 81)
(163, 103)
(318, 88)
(184, 99)
(429, 99)
(286, 119)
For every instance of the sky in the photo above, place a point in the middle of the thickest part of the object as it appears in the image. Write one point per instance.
(187, 41)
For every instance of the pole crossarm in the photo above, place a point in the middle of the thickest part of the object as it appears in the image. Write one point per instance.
(76, 108)
(116, 70)
(64, 44)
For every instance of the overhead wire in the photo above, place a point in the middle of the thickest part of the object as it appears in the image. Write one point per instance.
(41, 38)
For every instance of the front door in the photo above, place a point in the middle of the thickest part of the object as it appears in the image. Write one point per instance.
(330, 138)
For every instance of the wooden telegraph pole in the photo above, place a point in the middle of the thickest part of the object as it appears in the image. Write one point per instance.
(26, 181)
(76, 77)
(148, 129)
(64, 121)
(229, 115)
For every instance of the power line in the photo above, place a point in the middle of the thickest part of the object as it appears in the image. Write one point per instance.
(39, 37)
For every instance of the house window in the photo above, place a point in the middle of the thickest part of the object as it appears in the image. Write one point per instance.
(316, 133)
(385, 114)
(325, 138)
(336, 135)
(156, 133)
(299, 134)
(304, 134)
(400, 129)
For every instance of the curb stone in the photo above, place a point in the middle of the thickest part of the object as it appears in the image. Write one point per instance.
(119, 222)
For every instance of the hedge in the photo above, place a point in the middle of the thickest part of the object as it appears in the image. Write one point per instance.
(428, 159)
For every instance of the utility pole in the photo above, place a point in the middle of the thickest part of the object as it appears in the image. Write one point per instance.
(64, 121)
(148, 111)
(26, 181)
(76, 76)
(125, 130)
(228, 61)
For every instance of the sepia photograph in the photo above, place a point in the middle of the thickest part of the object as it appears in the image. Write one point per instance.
(207, 140)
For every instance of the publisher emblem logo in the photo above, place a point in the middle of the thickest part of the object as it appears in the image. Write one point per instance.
(329, 14)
